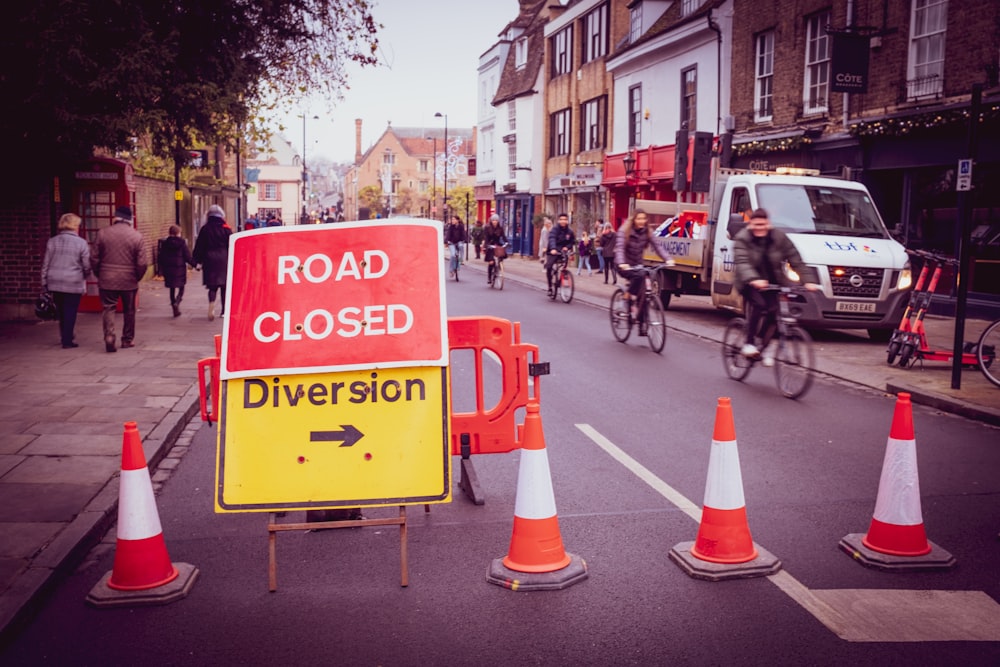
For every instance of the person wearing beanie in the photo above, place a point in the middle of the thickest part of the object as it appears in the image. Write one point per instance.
(211, 252)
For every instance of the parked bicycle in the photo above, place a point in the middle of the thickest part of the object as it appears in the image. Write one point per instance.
(494, 268)
(794, 362)
(986, 352)
(562, 278)
(649, 312)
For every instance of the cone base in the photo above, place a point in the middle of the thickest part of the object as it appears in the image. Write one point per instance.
(937, 559)
(103, 596)
(557, 580)
(763, 565)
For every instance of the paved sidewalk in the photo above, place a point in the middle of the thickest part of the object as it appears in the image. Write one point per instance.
(61, 421)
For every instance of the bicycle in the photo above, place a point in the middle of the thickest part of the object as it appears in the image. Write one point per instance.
(564, 287)
(494, 268)
(986, 352)
(794, 360)
(454, 259)
(651, 320)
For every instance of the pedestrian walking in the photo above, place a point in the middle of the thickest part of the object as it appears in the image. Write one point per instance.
(583, 254)
(543, 239)
(175, 257)
(476, 235)
(211, 252)
(64, 273)
(119, 262)
(607, 242)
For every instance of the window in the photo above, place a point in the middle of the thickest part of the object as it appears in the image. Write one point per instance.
(593, 123)
(595, 31)
(423, 187)
(689, 6)
(635, 115)
(269, 192)
(559, 130)
(512, 115)
(423, 166)
(521, 53)
(562, 52)
(512, 160)
(689, 98)
(926, 64)
(635, 23)
(817, 83)
(764, 82)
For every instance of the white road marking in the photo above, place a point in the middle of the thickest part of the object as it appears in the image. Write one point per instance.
(857, 615)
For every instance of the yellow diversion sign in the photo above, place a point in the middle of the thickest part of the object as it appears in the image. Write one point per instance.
(374, 437)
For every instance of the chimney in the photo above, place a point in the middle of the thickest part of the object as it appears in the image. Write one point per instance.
(357, 141)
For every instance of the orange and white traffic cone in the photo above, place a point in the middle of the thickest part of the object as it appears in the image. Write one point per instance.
(142, 571)
(723, 548)
(536, 559)
(896, 538)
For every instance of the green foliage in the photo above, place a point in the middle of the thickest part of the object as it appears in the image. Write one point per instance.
(371, 197)
(81, 74)
(457, 198)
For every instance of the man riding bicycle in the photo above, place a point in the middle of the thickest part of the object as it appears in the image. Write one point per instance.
(759, 254)
(633, 239)
(493, 236)
(561, 240)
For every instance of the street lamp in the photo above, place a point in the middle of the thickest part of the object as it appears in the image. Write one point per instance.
(387, 178)
(305, 172)
(445, 202)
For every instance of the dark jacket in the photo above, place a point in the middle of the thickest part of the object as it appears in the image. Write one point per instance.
(561, 237)
(493, 235)
(630, 250)
(211, 250)
(607, 241)
(174, 259)
(454, 233)
(119, 258)
(751, 256)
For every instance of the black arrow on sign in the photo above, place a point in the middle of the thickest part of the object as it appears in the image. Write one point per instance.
(349, 435)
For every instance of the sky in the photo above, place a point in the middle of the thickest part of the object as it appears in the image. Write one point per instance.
(429, 52)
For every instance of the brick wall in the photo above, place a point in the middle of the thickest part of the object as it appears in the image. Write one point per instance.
(27, 220)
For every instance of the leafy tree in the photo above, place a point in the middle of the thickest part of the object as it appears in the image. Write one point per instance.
(371, 197)
(457, 200)
(80, 74)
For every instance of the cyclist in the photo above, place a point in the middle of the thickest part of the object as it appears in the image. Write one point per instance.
(492, 236)
(759, 252)
(633, 239)
(454, 237)
(561, 241)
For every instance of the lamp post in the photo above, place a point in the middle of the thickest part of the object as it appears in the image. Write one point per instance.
(305, 173)
(387, 178)
(445, 202)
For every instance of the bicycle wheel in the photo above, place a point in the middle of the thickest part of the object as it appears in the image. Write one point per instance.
(986, 353)
(737, 366)
(498, 275)
(656, 325)
(793, 367)
(621, 327)
(566, 288)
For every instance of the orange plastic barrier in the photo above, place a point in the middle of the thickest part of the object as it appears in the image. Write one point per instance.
(494, 431)
(209, 383)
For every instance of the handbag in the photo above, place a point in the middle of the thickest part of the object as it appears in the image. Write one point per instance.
(499, 252)
(45, 307)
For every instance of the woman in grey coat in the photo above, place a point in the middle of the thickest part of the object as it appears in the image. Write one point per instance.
(64, 273)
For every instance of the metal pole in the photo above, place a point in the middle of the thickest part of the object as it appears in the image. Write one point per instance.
(302, 221)
(444, 212)
(467, 226)
(964, 250)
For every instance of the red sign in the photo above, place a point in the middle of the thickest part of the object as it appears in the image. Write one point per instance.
(324, 298)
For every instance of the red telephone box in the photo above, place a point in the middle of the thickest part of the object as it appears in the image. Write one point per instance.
(99, 185)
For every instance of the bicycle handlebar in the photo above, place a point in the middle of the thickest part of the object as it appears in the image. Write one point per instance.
(937, 257)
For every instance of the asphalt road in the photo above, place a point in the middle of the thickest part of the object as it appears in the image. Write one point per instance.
(628, 435)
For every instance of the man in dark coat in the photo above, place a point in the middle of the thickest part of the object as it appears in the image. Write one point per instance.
(175, 256)
(119, 262)
(211, 251)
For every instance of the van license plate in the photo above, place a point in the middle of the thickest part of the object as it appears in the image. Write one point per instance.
(855, 307)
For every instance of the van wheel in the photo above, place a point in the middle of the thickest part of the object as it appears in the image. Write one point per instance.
(880, 335)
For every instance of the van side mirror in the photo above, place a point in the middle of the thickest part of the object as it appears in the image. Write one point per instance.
(736, 224)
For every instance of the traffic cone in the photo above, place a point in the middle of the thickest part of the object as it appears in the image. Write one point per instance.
(723, 548)
(142, 571)
(536, 559)
(896, 538)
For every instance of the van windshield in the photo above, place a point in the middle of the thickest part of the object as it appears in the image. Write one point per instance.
(821, 209)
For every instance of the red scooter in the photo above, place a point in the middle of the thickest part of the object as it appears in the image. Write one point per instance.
(909, 341)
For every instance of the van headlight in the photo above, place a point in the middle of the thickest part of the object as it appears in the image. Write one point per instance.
(905, 278)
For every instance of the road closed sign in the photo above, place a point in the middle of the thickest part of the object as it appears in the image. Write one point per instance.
(325, 298)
